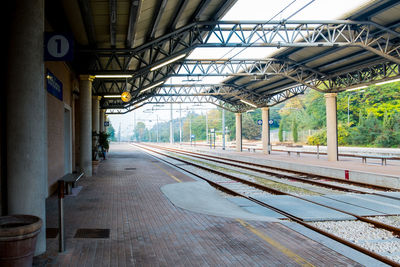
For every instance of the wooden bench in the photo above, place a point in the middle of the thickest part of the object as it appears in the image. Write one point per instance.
(381, 157)
(70, 180)
(251, 149)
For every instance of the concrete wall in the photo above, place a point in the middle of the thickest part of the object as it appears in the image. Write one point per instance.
(55, 123)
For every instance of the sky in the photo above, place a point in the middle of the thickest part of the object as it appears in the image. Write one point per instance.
(261, 10)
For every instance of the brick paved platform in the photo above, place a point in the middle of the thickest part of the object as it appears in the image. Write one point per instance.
(147, 230)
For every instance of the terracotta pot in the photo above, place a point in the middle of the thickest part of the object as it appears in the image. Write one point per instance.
(18, 239)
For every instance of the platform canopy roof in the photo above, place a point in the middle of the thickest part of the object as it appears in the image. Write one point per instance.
(138, 45)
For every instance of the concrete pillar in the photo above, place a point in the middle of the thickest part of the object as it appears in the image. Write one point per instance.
(238, 117)
(26, 120)
(265, 130)
(85, 101)
(331, 126)
(102, 119)
(223, 129)
(96, 114)
(171, 128)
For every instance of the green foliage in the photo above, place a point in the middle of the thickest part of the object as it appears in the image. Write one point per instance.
(294, 131)
(111, 132)
(250, 129)
(104, 141)
(366, 132)
(343, 134)
(366, 117)
(140, 131)
(318, 138)
(280, 132)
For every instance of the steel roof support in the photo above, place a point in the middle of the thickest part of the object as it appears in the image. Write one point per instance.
(133, 20)
(87, 18)
(113, 21)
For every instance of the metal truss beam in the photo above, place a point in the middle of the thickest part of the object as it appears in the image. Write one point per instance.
(372, 37)
(333, 33)
(236, 107)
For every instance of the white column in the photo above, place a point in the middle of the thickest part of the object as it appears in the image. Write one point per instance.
(238, 117)
(171, 129)
(223, 129)
(180, 124)
(207, 133)
(331, 126)
(265, 130)
(26, 98)
(85, 103)
(102, 119)
(96, 114)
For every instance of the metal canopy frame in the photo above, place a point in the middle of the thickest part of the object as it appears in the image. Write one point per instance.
(380, 42)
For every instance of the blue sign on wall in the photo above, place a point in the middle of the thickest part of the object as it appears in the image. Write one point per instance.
(259, 122)
(58, 47)
(54, 85)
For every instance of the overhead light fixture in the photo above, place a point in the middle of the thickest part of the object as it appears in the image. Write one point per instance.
(111, 96)
(105, 76)
(357, 88)
(168, 62)
(152, 86)
(250, 104)
(391, 81)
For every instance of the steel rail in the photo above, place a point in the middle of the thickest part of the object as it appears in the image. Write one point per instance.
(269, 172)
(393, 229)
(361, 184)
(294, 218)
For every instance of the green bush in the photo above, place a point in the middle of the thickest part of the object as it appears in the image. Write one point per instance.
(343, 134)
(319, 138)
(280, 132)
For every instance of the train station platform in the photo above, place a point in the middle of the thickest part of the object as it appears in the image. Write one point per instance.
(121, 217)
(349, 168)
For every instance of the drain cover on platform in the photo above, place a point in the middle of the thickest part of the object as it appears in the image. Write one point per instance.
(92, 233)
(130, 169)
(51, 232)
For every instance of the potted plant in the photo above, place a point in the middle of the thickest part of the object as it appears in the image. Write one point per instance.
(104, 143)
(95, 147)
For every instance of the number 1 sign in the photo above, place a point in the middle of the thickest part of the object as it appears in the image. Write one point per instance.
(57, 47)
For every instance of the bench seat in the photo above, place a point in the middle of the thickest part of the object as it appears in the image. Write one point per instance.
(70, 180)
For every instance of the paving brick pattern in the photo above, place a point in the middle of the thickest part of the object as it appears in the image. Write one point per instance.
(148, 230)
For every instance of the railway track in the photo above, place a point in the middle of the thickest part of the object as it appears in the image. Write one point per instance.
(226, 186)
(286, 174)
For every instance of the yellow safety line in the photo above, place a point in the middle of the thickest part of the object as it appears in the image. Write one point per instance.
(168, 173)
(276, 244)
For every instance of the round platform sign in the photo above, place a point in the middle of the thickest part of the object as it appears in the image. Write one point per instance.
(259, 122)
(126, 96)
(58, 47)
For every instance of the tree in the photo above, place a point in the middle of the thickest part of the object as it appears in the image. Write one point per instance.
(294, 131)
(111, 132)
(280, 132)
(140, 131)
(367, 130)
(388, 137)
(250, 128)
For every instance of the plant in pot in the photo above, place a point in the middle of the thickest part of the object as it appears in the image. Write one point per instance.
(104, 143)
(95, 146)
